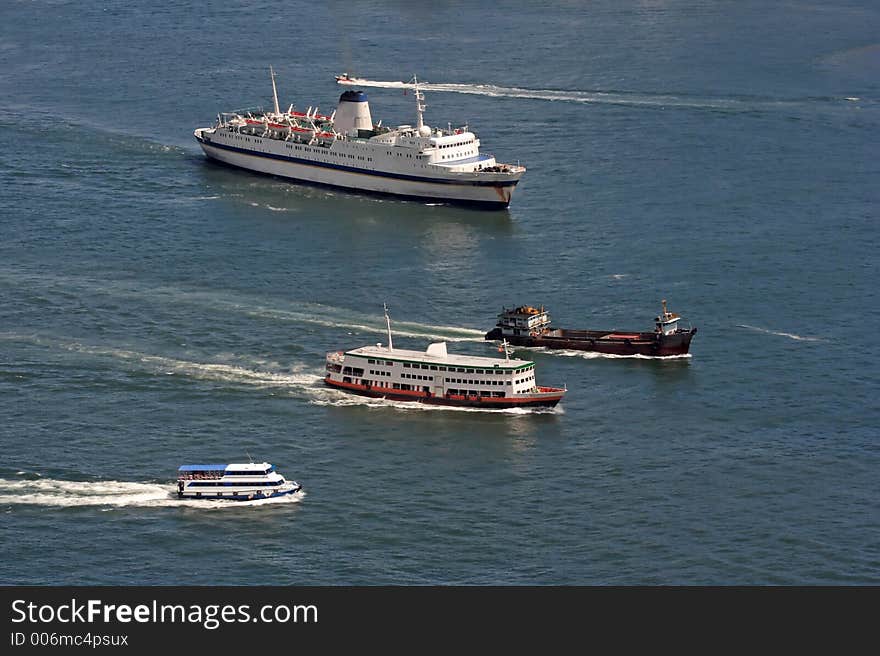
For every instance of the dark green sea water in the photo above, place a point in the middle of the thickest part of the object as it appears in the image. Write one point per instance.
(156, 309)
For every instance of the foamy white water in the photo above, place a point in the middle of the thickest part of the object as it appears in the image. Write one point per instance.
(592, 355)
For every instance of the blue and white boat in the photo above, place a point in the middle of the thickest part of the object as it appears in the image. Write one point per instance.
(236, 482)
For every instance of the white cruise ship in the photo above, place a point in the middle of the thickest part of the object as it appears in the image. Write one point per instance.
(436, 377)
(236, 482)
(346, 149)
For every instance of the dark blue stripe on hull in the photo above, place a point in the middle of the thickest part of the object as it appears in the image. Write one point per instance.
(458, 202)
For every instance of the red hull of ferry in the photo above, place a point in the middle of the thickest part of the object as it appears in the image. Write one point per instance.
(549, 397)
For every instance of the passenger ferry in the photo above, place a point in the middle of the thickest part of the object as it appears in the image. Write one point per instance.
(237, 482)
(437, 377)
(346, 149)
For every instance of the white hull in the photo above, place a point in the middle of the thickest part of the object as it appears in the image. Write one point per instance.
(238, 492)
(382, 183)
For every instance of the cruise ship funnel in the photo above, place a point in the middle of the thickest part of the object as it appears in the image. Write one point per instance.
(353, 112)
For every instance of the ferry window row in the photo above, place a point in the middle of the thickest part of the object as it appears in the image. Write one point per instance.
(463, 370)
(478, 382)
(470, 392)
(416, 376)
(404, 386)
(376, 372)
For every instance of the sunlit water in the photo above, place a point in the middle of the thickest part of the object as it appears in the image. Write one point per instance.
(160, 310)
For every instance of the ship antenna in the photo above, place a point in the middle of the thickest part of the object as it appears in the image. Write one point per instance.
(506, 347)
(420, 104)
(274, 90)
(388, 323)
(249, 457)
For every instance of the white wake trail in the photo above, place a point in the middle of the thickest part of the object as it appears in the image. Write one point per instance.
(622, 98)
(767, 331)
(299, 378)
(587, 97)
(361, 324)
(592, 355)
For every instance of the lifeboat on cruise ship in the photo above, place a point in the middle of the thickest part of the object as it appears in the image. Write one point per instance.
(303, 134)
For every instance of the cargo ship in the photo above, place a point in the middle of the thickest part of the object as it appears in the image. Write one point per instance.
(347, 150)
(530, 326)
(436, 377)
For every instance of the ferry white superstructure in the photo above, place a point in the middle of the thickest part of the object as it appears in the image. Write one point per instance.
(237, 482)
(437, 377)
(346, 149)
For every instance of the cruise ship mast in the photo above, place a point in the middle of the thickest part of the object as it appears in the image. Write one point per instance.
(420, 109)
(274, 91)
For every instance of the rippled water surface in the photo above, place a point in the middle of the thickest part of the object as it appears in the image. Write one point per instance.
(159, 310)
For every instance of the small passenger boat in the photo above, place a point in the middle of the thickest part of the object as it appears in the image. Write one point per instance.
(236, 482)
